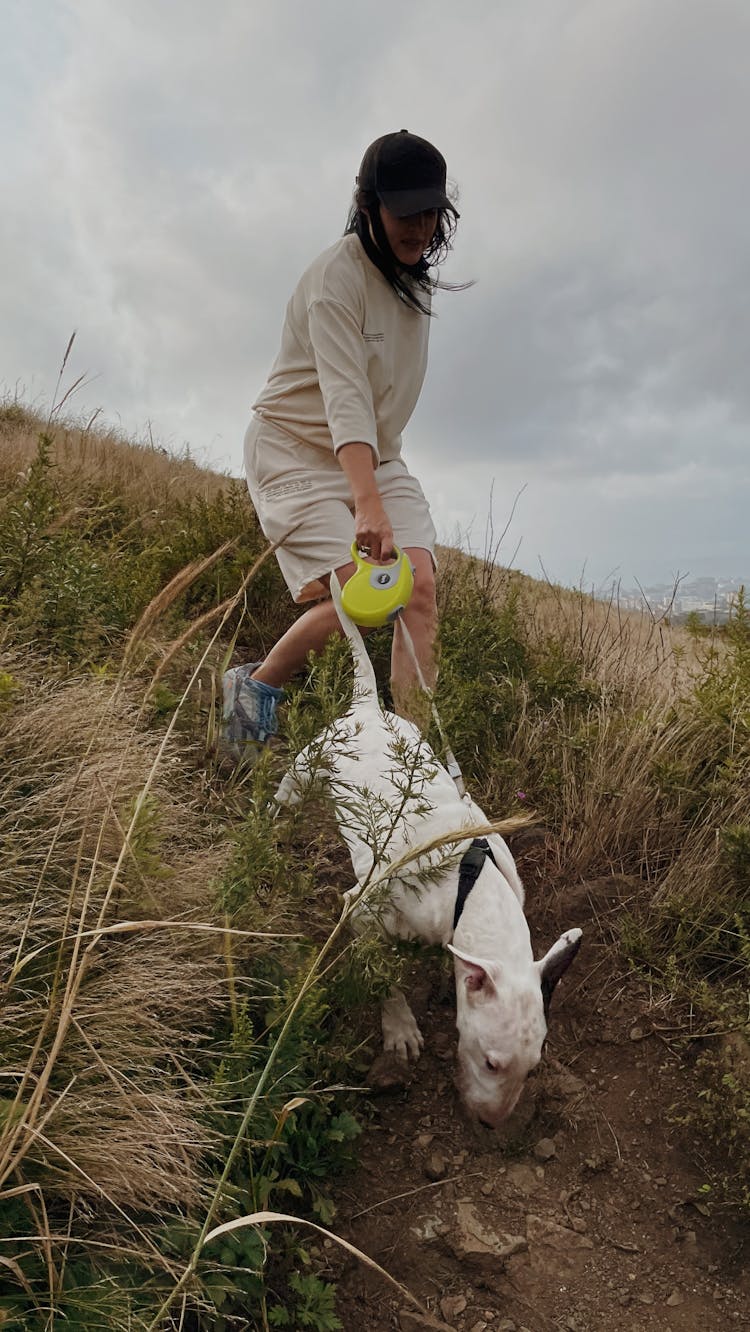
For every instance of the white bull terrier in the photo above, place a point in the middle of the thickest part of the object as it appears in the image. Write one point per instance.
(392, 795)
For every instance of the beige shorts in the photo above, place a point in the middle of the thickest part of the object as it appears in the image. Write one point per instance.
(302, 498)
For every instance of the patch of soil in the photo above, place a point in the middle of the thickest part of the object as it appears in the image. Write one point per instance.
(583, 1214)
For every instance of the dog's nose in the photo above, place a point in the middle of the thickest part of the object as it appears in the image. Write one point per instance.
(486, 1124)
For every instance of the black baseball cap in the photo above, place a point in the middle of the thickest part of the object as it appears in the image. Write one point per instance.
(407, 174)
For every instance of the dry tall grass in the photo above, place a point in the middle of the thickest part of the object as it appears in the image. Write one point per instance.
(607, 737)
(630, 653)
(98, 1030)
(141, 470)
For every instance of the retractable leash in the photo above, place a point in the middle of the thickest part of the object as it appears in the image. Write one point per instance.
(451, 762)
(375, 595)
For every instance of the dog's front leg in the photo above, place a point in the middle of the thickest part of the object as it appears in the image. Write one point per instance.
(295, 782)
(401, 1035)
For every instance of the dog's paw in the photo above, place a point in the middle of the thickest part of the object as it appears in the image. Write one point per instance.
(288, 791)
(351, 895)
(401, 1035)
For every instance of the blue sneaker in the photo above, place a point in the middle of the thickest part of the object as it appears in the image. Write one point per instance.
(249, 711)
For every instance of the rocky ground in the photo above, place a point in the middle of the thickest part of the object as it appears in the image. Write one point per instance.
(585, 1213)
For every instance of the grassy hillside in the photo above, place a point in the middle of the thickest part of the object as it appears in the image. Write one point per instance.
(183, 1042)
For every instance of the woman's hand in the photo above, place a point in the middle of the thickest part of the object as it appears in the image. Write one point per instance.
(372, 526)
(372, 529)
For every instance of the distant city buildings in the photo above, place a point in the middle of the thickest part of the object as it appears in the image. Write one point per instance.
(711, 599)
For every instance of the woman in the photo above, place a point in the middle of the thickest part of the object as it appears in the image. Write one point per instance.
(323, 452)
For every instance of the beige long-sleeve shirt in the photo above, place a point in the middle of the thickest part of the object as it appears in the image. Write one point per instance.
(353, 357)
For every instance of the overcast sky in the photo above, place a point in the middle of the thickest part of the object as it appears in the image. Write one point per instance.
(170, 167)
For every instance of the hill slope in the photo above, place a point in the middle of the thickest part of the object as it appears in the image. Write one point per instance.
(158, 925)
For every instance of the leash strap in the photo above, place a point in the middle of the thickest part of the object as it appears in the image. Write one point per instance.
(472, 864)
(451, 762)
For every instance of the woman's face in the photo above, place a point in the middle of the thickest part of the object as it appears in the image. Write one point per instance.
(410, 236)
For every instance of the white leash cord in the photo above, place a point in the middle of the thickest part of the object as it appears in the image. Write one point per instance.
(451, 762)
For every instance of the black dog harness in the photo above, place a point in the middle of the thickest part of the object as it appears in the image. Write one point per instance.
(472, 864)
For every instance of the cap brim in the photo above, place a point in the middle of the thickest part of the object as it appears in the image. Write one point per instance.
(402, 203)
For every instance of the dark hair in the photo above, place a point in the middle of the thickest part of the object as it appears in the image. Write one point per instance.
(364, 220)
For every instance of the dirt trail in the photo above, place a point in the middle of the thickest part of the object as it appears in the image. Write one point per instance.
(585, 1214)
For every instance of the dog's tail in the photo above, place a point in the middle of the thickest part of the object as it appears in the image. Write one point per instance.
(365, 685)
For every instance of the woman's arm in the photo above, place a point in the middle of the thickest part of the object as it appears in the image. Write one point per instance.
(372, 527)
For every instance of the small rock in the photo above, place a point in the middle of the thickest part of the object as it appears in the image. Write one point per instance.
(700, 1207)
(522, 1178)
(428, 1228)
(424, 1140)
(481, 1326)
(645, 1297)
(579, 1225)
(452, 1305)
(507, 1325)
(562, 1084)
(487, 1188)
(540, 1230)
(637, 1033)
(675, 1298)
(389, 1074)
(410, 1321)
(435, 1166)
(474, 1243)
(545, 1149)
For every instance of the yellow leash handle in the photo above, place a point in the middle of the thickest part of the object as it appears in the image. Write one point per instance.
(375, 593)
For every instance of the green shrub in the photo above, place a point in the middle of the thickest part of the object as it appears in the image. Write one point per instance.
(717, 1114)
(79, 564)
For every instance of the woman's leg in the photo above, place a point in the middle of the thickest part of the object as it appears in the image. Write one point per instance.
(420, 618)
(309, 633)
(250, 700)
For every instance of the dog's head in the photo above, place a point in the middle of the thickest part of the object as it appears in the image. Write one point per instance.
(502, 1025)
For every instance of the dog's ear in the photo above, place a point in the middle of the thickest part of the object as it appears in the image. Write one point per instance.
(478, 975)
(554, 963)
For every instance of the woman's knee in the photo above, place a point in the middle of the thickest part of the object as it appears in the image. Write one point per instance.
(423, 598)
